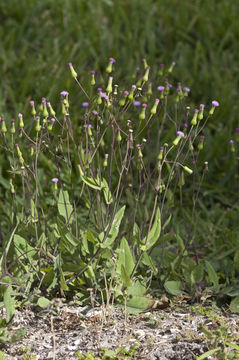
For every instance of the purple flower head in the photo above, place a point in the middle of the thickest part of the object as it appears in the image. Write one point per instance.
(133, 87)
(157, 100)
(31, 102)
(178, 90)
(64, 93)
(173, 63)
(94, 112)
(126, 93)
(69, 64)
(37, 117)
(104, 95)
(187, 89)
(161, 148)
(53, 120)
(12, 121)
(160, 88)
(89, 126)
(202, 137)
(215, 103)
(202, 106)
(99, 89)
(231, 141)
(19, 115)
(85, 104)
(165, 80)
(237, 130)
(143, 60)
(112, 60)
(144, 105)
(137, 103)
(161, 65)
(180, 133)
(138, 146)
(55, 180)
(196, 111)
(186, 125)
(179, 84)
(92, 72)
(137, 69)
(169, 85)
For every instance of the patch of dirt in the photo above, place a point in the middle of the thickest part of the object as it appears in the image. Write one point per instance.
(58, 333)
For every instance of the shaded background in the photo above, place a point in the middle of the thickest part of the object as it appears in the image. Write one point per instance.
(38, 38)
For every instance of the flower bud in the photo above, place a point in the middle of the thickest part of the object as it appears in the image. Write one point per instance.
(180, 135)
(154, 108)
(21, 122)
(105, 163)
(109, 88)
(142, 114)
(123, 100)
(200, 114)
(33, 112)
(170, 69)
(38, 126)
(52, 112)
(146, 75)
(231, 142)
(55, 181)
(160, 72)
(144, 61)
(13, 129)
(194, 119)
(188, 170)
(200, 145)
(109, 68)
(131, 94)
(214, 105)
(3, 127)
(73, 72)
(92, 81)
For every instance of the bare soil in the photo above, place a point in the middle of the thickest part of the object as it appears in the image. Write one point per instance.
(62, 331)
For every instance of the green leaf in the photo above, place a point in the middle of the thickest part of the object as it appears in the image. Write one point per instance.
(146, 260)
(125, 258)
(207, 354)
(107, 193)
(173, 287)
(234, 346)
(197, 274)
(22, 247)
(114, 230)
(5, 252)
(212, 275)
(154, 233)
(236, 260)
(68, 241)
(9, 303)
(137, 289)
(65, 208)
(34, 212)
(137, 304)
(43, 302)
(125, 277)
(93, 183)
(234, 305)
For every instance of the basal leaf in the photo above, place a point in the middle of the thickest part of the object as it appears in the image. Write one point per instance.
(9, 303)
(212, 275)
(68, 241)
(173, 287)
(125, 258)
(234, 305)
(154, 233)
(125, 277)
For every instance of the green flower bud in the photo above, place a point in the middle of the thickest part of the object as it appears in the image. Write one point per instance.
(73, 72)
